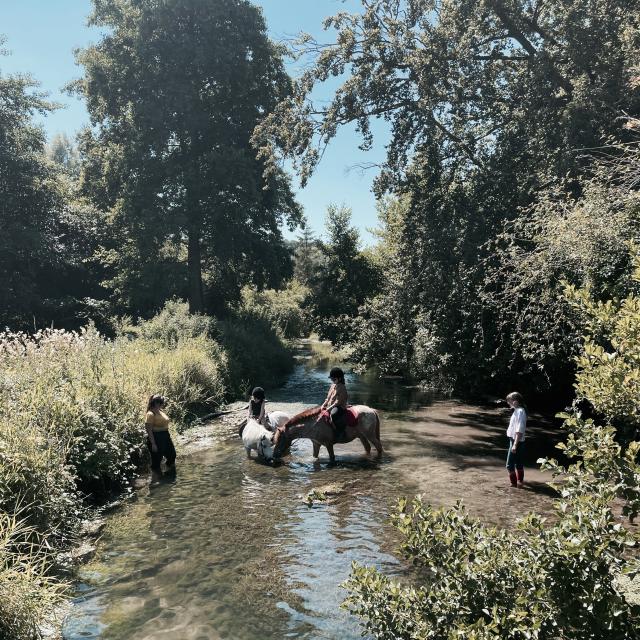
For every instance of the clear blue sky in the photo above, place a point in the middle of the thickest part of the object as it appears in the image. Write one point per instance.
(42, 34)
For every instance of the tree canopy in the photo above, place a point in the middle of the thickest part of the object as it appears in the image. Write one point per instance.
(488, 104)
(174, 91)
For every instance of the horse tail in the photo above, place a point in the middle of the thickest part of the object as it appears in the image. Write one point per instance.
(378, 428)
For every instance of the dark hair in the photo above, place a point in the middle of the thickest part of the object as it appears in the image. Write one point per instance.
(155, 399)
(337, 372)
(515, 395)
(258, 392)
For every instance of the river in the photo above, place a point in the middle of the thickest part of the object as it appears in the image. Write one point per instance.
(228, 548)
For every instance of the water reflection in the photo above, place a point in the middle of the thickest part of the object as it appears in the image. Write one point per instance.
(229, 549)
(309, 383)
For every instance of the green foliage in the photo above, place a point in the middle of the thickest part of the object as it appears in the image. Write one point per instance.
(30, 202)
(256, 354)
(420, 318)
(283, 309)
(581, 240)
(609, 366)
(474, 78)
(64, 153)
(308, 258)
(546, 580)
(487, 104)
(347, 278)
(174, 91)
(48, 234)
(172, 325)
(28, 594)
(538, 581)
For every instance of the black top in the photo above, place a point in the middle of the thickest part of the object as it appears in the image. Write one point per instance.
(256, 407)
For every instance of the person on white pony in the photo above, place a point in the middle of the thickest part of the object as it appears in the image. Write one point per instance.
(256, 408)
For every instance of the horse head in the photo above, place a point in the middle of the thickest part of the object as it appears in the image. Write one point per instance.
(281, 441)
(266, 448)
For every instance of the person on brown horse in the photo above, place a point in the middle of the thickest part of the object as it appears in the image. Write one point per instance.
(336, 403)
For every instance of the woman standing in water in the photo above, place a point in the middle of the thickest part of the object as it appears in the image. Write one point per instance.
(515, 433)
(158, 438)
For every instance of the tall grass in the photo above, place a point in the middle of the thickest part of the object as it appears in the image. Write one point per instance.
(29, 595)
(71, 420)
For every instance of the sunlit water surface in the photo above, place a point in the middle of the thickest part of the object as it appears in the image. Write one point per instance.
(227, 548)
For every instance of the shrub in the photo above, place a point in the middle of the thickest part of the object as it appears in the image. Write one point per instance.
(283, 309)
(173, 324)
(541, 580)
(255, 354)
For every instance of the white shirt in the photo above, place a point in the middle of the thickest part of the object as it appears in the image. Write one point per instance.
(518, 423)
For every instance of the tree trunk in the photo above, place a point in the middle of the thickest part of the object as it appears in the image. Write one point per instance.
(194, 262)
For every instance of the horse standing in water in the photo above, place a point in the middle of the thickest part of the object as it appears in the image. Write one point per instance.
(311, 424)
(255, 436)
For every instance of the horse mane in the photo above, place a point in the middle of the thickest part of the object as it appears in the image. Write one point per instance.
(302, 416)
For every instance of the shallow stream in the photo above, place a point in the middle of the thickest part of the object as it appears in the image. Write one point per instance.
(228, 549)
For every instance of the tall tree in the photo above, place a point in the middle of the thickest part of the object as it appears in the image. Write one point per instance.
(174, 91)
(308, 258)
(30, 204)
(488, 102)
(64, 153)
(346, 280)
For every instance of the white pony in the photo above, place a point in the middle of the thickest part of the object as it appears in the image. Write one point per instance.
(255, 436)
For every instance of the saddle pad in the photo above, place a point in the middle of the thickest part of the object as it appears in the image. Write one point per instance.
(352, 416)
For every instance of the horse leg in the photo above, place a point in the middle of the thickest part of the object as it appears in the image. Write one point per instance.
(248, 450)
(316, 449)
(376, 437)
(365, 444)
(332, 455)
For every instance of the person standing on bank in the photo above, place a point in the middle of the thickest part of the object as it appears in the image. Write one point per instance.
(515, 433)
(336, 402)
(158, 438)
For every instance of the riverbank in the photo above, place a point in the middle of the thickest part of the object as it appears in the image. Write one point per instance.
(72, 436)
(226, 535)
(193, 552)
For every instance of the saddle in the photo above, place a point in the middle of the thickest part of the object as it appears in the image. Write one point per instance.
(351, 417)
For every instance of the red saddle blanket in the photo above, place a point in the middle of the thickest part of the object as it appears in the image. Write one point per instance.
(352, 416)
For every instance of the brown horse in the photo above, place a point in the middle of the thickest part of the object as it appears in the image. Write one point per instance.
(310, 424)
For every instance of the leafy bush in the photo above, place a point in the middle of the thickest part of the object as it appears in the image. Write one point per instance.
(255, 354)
(283, 309)
(173, 324)
(482, 582)
(541, 580)
(583, 241)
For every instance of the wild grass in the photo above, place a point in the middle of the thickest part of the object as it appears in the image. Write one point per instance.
(71, 425)
(29, 595)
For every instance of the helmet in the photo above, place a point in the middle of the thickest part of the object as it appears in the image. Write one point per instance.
(258, 393)
(336, 372)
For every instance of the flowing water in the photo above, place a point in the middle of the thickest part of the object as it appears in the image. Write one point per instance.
(228, 549)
